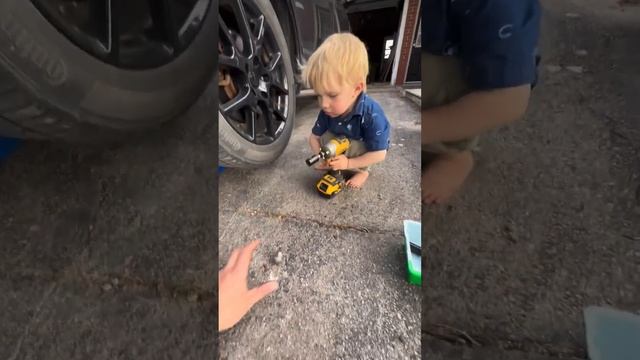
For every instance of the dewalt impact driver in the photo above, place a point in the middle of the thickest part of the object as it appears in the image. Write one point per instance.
(332, 182)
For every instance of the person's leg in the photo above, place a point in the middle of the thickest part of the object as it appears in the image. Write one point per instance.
(452, 162)
(360, 176)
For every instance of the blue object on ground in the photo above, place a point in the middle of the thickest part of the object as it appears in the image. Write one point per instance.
(413, 249)
(220, 169)
(8, 146)
(612, 334)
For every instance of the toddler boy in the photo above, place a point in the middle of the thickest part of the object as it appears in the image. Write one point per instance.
(337, 71)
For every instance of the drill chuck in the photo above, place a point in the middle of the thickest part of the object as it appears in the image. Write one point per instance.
(312, 160)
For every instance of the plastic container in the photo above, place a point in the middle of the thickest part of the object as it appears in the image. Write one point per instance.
(413, 250)
(612, 334)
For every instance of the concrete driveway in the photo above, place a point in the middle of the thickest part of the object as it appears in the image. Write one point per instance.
(110, 254)
(343, 293)
(550, 220)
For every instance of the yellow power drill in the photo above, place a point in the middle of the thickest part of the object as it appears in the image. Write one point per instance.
(332, 182)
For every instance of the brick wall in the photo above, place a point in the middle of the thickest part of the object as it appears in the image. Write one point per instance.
(407, 40)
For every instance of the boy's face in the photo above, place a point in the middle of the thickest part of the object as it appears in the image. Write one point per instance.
(337, 100)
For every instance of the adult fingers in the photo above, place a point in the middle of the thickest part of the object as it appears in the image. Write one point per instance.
(233, 258)
(245, 256)
(258, 293)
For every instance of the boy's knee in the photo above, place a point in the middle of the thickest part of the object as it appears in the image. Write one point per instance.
(356, 148)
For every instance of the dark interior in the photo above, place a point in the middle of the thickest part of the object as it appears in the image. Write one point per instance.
(372, 27)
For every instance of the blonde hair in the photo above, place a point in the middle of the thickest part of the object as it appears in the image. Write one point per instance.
(342, 57)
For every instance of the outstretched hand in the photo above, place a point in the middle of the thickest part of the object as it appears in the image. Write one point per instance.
(234, 297)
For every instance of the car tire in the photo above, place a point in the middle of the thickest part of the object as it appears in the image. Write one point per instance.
(50, 88)
(234, 149)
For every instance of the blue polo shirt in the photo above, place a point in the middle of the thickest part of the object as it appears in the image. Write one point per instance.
(366, 122)
(495, 39)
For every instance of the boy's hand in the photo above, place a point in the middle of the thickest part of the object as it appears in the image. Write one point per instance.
(340, 162)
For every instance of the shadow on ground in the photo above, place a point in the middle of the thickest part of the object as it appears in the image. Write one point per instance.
(110, 253)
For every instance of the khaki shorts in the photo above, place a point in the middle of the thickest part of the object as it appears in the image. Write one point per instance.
(442, 83)
(356, 147)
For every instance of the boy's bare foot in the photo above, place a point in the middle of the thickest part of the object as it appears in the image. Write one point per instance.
(358, 179)
(444, 176)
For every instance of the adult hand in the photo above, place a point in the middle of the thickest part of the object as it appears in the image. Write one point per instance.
(340, 162)
(234, 297)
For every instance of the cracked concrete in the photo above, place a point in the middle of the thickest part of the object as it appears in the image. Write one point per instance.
(547, 222)
(125, 234)
(70, 321)
(343, 290)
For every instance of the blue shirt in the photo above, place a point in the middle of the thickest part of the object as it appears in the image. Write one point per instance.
(495, 39)
(366, 122)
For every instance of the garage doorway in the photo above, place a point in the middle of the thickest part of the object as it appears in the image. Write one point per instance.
(376, 23)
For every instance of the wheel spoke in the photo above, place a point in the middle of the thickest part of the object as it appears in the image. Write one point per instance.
(234, 59)
(113, 37)
(251, 124)
(225, 32)
(268, 122)
(279, 115)
(243, 99)
(245, 28)
(276, 57)
(162, 13)
(230, 61)
(277, 119)
(279, 87)
(259, 32)
(99, 25)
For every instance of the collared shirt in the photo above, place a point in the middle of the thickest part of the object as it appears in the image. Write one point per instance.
(495, 39)
(366, 122)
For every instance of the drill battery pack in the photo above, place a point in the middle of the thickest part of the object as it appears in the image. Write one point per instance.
(330, 184)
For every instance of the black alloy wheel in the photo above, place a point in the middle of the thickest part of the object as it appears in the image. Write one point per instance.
(254, 89)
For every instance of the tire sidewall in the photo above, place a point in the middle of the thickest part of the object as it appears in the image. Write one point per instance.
(236, 146)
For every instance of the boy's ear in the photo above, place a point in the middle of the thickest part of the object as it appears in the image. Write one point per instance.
(359, 87)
